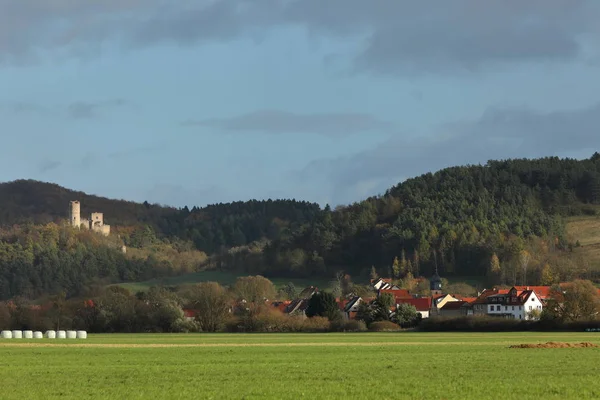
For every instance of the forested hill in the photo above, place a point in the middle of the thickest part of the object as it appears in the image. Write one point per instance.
(456, 218)
(210, 229)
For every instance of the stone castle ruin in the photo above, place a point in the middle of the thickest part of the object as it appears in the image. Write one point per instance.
(95, 222)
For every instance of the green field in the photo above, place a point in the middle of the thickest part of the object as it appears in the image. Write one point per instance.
(223, 277)
(291, 366)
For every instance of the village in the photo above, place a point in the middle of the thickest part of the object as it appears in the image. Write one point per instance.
(517, 302)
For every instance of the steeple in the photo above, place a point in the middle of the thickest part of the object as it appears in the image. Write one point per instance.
(435, 284)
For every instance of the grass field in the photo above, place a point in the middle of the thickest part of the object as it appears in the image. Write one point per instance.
(224, 278)
(586, 230)
(291, 366)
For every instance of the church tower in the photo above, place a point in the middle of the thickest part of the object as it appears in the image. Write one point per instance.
(435, 284)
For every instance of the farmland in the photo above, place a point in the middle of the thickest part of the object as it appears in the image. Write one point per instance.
(289, 366)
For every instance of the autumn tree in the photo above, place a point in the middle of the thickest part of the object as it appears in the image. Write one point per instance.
(524, 259)
(374, 275)
(254, 289)
(546, 275)
(211, 302)
(396, 268)
(577, 300)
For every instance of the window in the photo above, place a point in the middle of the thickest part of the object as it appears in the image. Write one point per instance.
(530, 308)
(505, 308)
(513, 308)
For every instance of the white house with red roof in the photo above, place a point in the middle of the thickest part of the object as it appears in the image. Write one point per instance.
(508, 303)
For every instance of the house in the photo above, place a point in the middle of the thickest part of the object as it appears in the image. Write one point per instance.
(297, 306)
(351, 307)
(440, 301)
(422, 304)
(511, 303)
(382, 283)
(189, 314)
(281, 305)
(308, 292)
(454, 309)
(397, 293)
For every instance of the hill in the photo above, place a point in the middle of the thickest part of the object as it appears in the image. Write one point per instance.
(457, 220)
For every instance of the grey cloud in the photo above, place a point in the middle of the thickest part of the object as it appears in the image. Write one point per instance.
(402, 35)
(498, 134)
(274, 122)
(87, 110)
(49, 165)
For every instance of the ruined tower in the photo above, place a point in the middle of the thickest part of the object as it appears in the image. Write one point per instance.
(75, 214)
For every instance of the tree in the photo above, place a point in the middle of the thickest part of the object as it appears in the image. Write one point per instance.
(416, 263)
(406, 315)
(578, 300)
(374, 275)
(323, 304)
(289, 291)
(211, 303)
(524, 258)
(254, 289)
(396, 268)
(495, 264)
(547, 276)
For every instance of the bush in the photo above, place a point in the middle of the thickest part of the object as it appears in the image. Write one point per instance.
(275, 322)
(348, 326)
(384, 326)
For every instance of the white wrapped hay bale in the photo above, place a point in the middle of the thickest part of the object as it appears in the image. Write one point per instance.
(17, 334)
(6, 335)
(71, 335)
(61, 334)
(81, 335)
(51, 334)
(38, 335)
(28, 334)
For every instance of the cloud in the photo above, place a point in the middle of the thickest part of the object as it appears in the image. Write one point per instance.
(401, 36)
(48, 165)
(499, 133)
(88, 110)
(279, 122)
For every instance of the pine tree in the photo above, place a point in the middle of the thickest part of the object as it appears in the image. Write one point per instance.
(374, 275)
(396, 269)
(416, 263)
(403, 264)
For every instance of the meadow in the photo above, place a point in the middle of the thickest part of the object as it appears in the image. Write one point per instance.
(403, 365)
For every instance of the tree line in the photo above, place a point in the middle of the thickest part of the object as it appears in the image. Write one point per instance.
(455, 221)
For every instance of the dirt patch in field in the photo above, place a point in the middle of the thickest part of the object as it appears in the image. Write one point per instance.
(554, 345)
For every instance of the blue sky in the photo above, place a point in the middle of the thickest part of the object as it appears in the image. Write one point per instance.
(215, 101)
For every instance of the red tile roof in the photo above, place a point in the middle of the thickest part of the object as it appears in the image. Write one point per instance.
(540, 291)
(421, 304)
(397, 293)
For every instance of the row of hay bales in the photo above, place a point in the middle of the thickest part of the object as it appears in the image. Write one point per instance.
(40, 335)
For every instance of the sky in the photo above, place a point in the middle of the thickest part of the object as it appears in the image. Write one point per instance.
(206, 101)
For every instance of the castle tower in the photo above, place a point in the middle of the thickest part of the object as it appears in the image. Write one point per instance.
(75, 214)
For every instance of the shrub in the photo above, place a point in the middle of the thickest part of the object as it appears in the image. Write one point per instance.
(275, 322)
(348, 326)
(384, 326)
